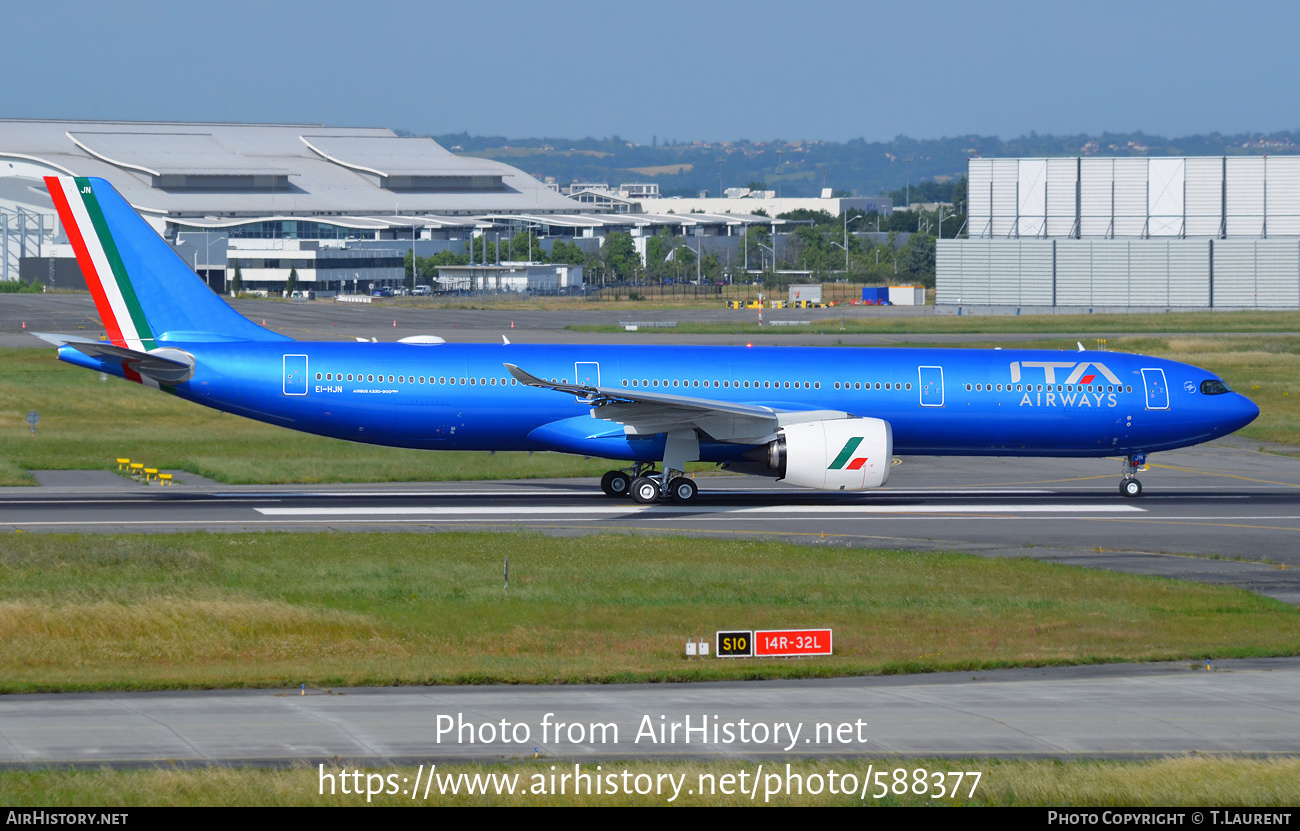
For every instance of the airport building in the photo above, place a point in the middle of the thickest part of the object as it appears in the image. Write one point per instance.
(1136, 233)
(340, 205)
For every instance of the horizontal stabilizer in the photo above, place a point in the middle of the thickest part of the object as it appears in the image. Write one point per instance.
(166, 365)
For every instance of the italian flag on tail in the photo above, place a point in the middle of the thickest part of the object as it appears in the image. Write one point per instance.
(101, 264)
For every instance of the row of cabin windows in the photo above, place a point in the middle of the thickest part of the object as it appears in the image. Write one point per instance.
(766, 385)
(642, 382)
(1050, 387)
(413, 379)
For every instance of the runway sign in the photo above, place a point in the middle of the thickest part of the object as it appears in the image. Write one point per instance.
(786, 643)
(735, 644)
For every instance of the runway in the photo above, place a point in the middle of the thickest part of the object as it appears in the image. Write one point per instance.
(1220, 513)
(1120, 711)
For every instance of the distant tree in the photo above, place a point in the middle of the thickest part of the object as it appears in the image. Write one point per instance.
(918, 258)
(656, 250)
(292, 284)
(567, 253)
(237, 281)
(619, 254)
(755, 184)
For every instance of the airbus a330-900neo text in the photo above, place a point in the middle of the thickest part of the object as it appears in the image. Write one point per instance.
(828, 418)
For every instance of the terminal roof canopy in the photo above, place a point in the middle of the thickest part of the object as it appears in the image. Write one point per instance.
(160, 154)
(260, 170)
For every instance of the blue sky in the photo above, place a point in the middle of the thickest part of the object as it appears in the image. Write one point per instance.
(679, 70)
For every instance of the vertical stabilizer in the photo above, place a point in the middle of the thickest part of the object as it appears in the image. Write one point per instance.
(142, 289)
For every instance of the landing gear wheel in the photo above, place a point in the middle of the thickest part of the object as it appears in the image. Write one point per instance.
(682, 490)
(615, 483)
(645, 490)
(1130, 488)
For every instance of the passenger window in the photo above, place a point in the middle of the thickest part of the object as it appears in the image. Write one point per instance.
(909, 386)
(625, 382)
(878, 385)
(817, 385)
(471, 382)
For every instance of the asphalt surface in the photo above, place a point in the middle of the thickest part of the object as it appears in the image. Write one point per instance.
(1125, 711)
(326, 320)
(1217, 513)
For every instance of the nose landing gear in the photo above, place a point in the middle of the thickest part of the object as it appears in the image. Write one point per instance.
(1129, 486)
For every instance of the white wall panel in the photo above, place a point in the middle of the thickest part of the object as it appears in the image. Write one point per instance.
(1062, 175)
(1110, 272)
(1234, 272)
(1204, 205)
(1096, 181)
(1283, 197)
(1165, 181)
(1032, 194)
(1006, 180)
(1130, 197)
(1245, 184)
(1277, 275)
(1149, 276)
(979, 196)
(1074, 272)
(1035, 272)
(1189, 272)
(1004, 271)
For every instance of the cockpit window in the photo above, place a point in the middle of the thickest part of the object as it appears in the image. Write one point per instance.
(1213, 387)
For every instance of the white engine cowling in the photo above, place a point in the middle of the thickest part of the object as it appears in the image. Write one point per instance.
(845, 454)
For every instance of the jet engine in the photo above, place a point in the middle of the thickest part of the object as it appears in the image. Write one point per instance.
(846, 454)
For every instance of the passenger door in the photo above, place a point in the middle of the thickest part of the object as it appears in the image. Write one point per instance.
(1155, 389)
(295, 375)
(931, 384)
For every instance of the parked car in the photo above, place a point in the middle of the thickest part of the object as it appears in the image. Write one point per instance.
(422, 291)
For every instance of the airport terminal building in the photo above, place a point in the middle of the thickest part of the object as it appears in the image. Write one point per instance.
(1127, 233)
(342, 206)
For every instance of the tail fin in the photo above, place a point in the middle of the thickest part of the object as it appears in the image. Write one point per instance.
(145, 293)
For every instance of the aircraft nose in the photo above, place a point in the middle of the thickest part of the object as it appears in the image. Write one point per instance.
(1246, 412)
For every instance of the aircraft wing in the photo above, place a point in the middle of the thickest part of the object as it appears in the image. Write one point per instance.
(642, 412)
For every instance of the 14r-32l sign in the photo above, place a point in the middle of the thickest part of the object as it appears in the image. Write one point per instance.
(775, 643)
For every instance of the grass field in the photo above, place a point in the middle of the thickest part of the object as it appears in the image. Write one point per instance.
(86, 423)
(279, 610)
(1183, 781)
(746, 323)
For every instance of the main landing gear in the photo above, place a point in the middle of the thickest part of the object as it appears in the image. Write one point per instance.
(1129, 486)
(645, 486)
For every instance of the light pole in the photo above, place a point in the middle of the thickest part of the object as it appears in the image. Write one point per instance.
(847, 223)
(696, 252)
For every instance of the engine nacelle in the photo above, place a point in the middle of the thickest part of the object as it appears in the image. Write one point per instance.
(845, 454)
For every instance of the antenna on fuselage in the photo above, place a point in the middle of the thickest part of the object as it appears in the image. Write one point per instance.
(1079, 344)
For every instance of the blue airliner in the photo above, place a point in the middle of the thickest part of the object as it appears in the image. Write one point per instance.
(827, 418)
